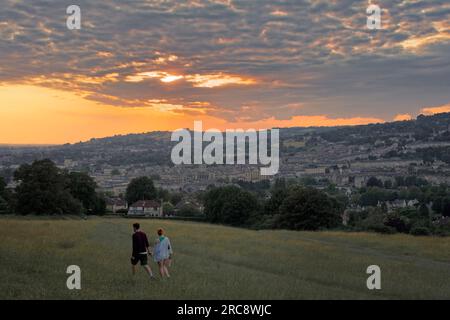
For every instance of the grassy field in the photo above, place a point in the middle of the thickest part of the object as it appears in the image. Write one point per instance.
(215, 262)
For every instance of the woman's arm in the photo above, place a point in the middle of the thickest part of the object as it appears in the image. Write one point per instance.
(170, 247)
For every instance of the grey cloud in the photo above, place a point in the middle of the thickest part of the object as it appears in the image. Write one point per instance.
(311, 51)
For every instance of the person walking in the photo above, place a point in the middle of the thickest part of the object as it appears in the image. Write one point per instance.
(162, 253)
(140, 250)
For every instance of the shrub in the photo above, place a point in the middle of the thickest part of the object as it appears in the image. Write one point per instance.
(420, 231)
(398, 222)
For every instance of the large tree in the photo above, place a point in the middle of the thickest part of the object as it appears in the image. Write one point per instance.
(230, 205)
(308, 209)
(141, 188)
(82, 187)
(277, 195)
(374, 182)
(44, 189)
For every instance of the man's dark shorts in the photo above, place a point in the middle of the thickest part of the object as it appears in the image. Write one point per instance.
(139, 257)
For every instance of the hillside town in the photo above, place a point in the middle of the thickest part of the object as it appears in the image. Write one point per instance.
(345, 157)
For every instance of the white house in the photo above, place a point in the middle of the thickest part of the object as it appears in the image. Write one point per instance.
(148, 208)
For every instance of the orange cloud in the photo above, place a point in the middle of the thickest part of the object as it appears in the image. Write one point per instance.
(217, 80)
(279, 13)
(316, 120)
(198, 80)
(418, 42)
(161, 75)
(297, 121)
(402, 117)
(434, 110)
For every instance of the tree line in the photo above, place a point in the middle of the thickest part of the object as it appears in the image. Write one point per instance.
(293, 207)
(45, 189)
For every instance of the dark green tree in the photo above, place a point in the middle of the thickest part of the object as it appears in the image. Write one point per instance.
(82, 187)
(100, 204)
(175, 198)
(44, 189)
(277, 195)
(423, 211)
(141, 188)
(168, 208)
(163, 194)
(309, 209)
(188, 210)
(230, 205)
(374, 182)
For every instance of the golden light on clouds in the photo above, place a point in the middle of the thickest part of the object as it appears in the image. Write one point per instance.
(166, 59)
(218, 80)
(164, 105)
(417, 43)
(170, 78)
(403, 117)
(104, 54)
(164, 77)
(197, 80)
(231, 65)
(307, 121)
(279, 13)
(435, 110)
(70, 80)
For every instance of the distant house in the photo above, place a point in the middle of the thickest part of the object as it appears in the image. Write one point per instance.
(115, 204)
(12, 185)
(399, 204)
(148, 208)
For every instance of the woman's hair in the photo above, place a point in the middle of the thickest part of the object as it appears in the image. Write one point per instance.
(160, 232)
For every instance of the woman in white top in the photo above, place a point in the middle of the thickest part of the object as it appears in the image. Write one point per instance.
(162, 253)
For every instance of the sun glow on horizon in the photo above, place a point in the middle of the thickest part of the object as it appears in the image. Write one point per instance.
(39, 115)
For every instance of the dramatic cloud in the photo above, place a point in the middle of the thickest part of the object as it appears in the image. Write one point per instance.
(402, 117)
(238, 60)
(437, 109)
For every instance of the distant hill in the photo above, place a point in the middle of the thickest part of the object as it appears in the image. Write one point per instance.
(423, 128)
(155, 147)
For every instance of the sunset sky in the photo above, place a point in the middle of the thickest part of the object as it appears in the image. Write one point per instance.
(143, 65)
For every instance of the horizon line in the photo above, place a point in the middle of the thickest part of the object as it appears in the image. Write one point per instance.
(167, 131)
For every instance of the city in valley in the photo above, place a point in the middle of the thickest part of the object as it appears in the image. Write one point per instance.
(390, 156)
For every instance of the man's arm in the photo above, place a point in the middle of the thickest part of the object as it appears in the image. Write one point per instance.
(147, 245)
(134, 245)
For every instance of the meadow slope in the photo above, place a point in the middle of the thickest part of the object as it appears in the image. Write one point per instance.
(216, 262)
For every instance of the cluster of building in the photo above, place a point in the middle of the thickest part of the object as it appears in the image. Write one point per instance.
(347, 163)
(147, 208)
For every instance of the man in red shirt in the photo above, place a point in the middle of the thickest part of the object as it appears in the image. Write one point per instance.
(140, 250)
